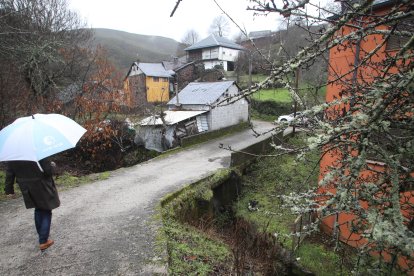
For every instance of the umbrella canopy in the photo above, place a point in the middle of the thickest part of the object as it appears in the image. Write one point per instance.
(38, 136)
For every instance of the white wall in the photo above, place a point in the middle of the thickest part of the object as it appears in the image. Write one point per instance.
(228, 54)
(210, 53)
(228, 115)
(211, 63)
(220, 55)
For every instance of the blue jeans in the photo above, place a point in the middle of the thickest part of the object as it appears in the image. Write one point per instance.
(43, 219)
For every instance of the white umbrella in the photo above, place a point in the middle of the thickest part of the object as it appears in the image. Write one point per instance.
(38, 136)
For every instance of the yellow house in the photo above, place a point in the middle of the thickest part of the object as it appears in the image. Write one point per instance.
(148, 83)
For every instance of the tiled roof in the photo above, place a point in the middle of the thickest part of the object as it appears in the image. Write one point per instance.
(214, 41)
(202, 93)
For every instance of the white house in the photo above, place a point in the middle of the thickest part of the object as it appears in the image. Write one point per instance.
(200, 107)
(214, 50)
(211, 97)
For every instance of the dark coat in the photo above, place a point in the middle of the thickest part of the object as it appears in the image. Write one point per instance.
(37, 187)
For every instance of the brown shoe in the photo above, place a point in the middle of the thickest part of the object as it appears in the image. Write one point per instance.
(46, 245)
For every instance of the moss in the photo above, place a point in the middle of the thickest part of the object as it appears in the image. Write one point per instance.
(198, 187)
(191, 252)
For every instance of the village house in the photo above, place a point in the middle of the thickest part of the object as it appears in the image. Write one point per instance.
(148, 83)
(214, 51)
(342, 59)
(199, 107)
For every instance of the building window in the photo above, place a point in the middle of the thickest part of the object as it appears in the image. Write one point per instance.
(155, 79)
(395, 41)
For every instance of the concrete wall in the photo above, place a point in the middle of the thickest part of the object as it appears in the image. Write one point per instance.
(224, 116)
(227, 115)
(242, 157)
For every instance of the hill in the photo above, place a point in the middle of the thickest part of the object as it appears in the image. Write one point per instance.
(124, 48)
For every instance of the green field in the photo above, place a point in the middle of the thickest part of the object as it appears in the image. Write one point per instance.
(282, 95)
(278, 95)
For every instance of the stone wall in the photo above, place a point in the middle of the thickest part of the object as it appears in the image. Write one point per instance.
(186, 75)
(138, 90)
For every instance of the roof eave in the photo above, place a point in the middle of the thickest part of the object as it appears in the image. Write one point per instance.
(374, 7)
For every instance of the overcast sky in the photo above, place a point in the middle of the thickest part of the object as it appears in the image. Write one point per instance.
(152, 17)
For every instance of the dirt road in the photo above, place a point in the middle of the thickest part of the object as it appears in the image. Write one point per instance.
(106, 227)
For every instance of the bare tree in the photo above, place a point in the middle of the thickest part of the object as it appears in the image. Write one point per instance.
(220, 26)
(43, 41)
(190, 37)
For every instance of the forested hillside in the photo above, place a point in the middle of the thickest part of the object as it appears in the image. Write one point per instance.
(124, 48)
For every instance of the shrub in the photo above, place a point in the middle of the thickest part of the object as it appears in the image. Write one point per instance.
(271, 107)
(104, 145)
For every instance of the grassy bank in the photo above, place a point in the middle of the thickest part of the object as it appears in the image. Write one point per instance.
(205, 250)
(190, 250)
(272, 177)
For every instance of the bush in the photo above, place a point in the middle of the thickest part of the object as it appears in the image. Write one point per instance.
(271, 107)
(105, 145)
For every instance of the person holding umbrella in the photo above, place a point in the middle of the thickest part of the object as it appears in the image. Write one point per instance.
(25, 145)
(39, 192)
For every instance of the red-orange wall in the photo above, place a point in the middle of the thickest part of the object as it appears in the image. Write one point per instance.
(342, 60)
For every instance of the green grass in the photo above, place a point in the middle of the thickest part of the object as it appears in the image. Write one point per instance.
(270, 178)
(256, 78)
(319, 260)
(278, 95)
(191, 252)
(274, 176)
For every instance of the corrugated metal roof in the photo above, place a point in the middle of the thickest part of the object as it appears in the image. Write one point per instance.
(154, 70)
(214, 41)
(171, 117)
(202, 92)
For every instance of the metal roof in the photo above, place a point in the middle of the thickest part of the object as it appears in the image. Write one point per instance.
(171, 117)
(214, 41)
(203, 93)
(154, 70)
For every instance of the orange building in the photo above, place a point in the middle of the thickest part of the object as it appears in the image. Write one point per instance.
(369, 55)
